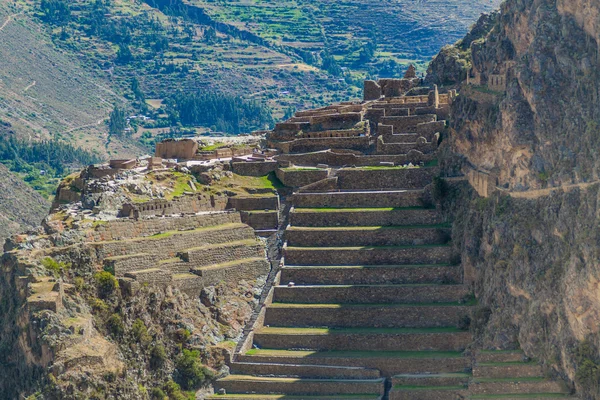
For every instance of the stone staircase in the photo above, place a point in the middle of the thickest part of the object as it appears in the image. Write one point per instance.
(369, 295)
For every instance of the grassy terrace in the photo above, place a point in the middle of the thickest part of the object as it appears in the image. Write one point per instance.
(353, 354)
(358, 209)
(285, 396)
(173, 233)
(422, 246)
(368, 228)
(356, 331)
(522, 379)
(520, 396)
(419, 388)
(386, 305)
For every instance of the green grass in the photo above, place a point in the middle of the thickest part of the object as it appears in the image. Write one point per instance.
(424, 388)
(213, 147)
(355, 354)
(422, 246)
(368, 228)
(383, 168)
(358, 209)
(338, 331)
(370, 305)
(519, 396)
(521, 379)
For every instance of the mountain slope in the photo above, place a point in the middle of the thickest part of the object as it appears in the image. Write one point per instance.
(46, 92)
(21, 207)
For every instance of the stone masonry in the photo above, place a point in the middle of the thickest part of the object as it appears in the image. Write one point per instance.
(370, 302)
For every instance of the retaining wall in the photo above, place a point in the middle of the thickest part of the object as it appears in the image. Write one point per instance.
(129, 228)
(294, 177)
(393, 178)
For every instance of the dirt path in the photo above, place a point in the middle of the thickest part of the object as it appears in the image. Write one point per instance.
(87, 126)
(534, 194)
(29, 86)
(8, 19)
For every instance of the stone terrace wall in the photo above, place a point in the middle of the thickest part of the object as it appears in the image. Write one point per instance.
(168, 247)
(191, 203)
(254, 203)
(129, 228)
(340, 159)
(355, 178)
(292, 177)
(407, 124)
(308, 145)
(260, 168)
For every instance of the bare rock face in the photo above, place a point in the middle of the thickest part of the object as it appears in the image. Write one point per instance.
(543, 129)
(531, 116)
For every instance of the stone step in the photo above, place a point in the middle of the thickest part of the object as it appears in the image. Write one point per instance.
(428, 393)
(369, 236)
(304, 370)
(519, 396)
(299, 386)
(371, 274)
(516, 385)
(328, 217)
(384, 255)
(386, 178)
(299, 397)
(443, 379)
(367, 315)
(390, 363)
(376, 294)
(390, 198)
(236, 270)
(507, 370)
(152, 276)
(363, 339)
(222, 252)
(492, 356)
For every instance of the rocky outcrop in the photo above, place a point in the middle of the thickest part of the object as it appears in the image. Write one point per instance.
(543, 129)
(528, 122)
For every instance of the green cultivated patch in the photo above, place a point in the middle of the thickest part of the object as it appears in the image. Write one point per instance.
(427, 388)
(354, 354)
(362, 209)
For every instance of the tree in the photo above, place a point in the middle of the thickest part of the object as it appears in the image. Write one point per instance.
(330, 65)
(117, 122)
(124, 55)
(56, 11)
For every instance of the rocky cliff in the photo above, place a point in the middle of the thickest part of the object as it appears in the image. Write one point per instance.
(527, 120)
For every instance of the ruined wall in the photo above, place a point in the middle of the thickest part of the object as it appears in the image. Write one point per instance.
(179, 149)
(297, 177)
(129, 228)
(252, 168)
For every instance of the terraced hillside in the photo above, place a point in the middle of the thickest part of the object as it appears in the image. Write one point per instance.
(372, 301)
(406, 30)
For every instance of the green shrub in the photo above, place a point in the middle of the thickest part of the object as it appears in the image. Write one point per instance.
(99, 306)
(140, 332)
(158, 394)
(79, 283)
(192, 374)
(182, 335)
(115, 325)
(54, 266)
(106, 283)
(158, 356)
(175, 393)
